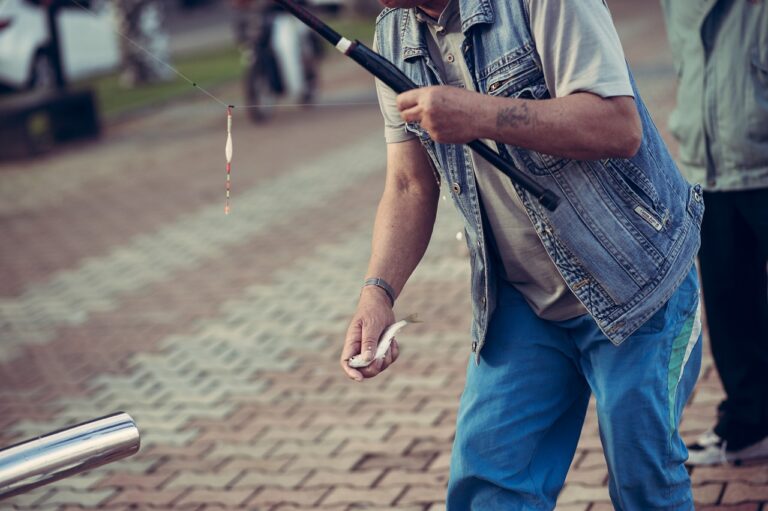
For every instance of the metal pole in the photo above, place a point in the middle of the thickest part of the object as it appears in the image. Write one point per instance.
(66, 452)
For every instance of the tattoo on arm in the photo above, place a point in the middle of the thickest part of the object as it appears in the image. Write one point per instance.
(512, 116)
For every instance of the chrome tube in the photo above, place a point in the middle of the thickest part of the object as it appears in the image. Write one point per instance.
(66, 452)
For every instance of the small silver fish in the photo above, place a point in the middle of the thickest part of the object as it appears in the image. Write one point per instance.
(384, 342)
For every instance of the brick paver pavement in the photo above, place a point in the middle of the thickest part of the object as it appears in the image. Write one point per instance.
(124, 287)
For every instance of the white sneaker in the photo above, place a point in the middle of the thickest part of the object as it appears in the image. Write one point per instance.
(710, 449)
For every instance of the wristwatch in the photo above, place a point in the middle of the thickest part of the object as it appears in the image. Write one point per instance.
(383, 284)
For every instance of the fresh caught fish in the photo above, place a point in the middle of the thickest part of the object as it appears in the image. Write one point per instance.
(384, 342)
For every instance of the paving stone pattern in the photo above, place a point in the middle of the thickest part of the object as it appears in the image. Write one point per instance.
(220, 334)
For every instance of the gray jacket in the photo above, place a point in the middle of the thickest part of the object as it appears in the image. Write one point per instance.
(721, 120)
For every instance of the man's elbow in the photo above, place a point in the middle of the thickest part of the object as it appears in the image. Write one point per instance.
(628, 144)
(629, 137)
(623, 143)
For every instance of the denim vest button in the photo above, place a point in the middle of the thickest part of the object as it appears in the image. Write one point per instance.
(450, 58)
(456, 188)
(474, 346)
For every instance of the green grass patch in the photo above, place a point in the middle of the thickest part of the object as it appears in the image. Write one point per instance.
(355, 28)
(207, 70)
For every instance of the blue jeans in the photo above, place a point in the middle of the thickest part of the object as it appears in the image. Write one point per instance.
(524, 404)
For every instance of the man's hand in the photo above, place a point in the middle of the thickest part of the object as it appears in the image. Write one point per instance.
(581, 126)
(374, 314)
(447, 113)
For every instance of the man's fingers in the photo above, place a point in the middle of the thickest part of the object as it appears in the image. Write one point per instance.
(411, 115)
(387, 359)
(408, 99)
(352, 340)
(348, 352)
(368, 348)
(371, 370)
(362, 340)
(379, 365)
(371, 331)
(392, 353)
(351, 348)
(353, 374)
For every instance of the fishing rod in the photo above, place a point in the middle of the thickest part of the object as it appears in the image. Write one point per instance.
(388, 73)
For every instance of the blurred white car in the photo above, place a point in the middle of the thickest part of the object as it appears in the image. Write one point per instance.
(89, 44)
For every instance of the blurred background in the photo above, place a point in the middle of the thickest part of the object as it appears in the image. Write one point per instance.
(125, 51)
(124, 286)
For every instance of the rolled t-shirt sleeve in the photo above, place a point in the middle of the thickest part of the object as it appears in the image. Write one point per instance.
(394, 126)
(578, 48)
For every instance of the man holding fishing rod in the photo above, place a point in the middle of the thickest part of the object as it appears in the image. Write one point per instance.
(597, 296)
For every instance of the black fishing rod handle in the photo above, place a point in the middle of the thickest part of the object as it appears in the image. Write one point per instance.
(381, 68)
(545, 197)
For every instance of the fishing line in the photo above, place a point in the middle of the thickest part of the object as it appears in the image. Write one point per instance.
(208, 93)
(228, 106)
(156, 58)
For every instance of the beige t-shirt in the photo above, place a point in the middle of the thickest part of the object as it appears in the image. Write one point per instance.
(571, 62)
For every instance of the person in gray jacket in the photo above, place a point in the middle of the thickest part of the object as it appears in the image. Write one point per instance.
(721, 121)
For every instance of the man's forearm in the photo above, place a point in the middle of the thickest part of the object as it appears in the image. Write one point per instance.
(404, 222)
(580, 126)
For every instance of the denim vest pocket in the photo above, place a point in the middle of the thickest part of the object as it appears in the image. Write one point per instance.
(633, 236)
(515, 78)
(514, 67)
(636, 211)
(638, 191)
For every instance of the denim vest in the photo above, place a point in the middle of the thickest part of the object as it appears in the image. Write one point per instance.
(626, 231)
